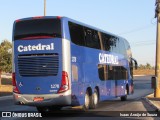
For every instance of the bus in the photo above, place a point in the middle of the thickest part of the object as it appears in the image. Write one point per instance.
(58, 61)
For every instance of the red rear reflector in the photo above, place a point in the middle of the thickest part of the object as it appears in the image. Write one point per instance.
(13, 79)
(38, 99)
(15, 89)
(64, 83)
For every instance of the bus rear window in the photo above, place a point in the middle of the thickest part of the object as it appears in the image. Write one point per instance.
(37, 28)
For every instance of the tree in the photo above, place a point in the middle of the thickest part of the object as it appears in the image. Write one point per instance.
(148, 66)
(6, 56)
(141, 66)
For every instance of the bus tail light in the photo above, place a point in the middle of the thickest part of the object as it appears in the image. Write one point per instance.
(15, 88)
(64, 83)
(59, 17)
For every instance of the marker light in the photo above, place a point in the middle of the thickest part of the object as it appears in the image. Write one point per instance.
(18, 20)
(37, 17)
(59, 17)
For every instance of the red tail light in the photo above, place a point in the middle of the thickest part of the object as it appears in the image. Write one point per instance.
(64, 83)
(13, 79)
(15, 88)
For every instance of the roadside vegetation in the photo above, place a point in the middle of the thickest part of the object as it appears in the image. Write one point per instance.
(146, 69)
(5, 57)
(5, 67)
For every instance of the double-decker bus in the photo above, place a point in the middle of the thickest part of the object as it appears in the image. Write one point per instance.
(61, 62)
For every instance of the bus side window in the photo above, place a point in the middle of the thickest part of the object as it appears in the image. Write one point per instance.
(115, 44)
(76, 34)
(103, 72)
(109, 72)
(106, 41)
(91, 38)
(122, 48)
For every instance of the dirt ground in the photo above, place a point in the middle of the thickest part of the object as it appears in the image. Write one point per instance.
(144, 72)
(4, 91)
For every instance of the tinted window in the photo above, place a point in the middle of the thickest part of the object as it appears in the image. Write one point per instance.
(103, 72)
(92, 38)
(114, 44)
(108, 72)
(122, 47)
(76, 34)
(110, 43)
(128, 49)
(37, 27)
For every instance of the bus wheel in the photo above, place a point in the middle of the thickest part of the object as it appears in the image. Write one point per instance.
(86, 101)
(95, 100)
(124, 98)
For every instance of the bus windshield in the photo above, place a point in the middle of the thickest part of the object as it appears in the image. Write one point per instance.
(37, 28)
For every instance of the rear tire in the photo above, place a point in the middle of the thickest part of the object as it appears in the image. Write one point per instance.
(95, 100)
(124, 98)
(86, 101)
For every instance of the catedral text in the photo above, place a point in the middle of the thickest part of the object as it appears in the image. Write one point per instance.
(38, 47)
(108, 58)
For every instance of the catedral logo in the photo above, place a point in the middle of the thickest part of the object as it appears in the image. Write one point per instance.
(107, 58)
(22, 48)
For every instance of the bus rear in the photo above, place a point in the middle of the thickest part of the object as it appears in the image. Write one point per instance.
(41, 62)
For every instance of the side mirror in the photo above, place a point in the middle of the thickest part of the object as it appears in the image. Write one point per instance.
(135, 62)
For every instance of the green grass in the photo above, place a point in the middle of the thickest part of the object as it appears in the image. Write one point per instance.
(6, 81)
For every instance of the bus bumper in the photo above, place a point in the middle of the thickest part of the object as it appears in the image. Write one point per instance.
(48, 99)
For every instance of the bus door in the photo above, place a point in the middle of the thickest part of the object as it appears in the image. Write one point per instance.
(115, 74)
(111, 77)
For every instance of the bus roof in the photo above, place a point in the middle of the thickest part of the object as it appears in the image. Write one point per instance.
(71, 20)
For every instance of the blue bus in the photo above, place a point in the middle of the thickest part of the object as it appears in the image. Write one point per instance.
(61, 62)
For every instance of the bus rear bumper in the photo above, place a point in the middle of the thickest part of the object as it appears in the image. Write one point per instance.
(45, 99)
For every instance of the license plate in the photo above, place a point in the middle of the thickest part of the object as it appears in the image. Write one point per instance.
(38, 99)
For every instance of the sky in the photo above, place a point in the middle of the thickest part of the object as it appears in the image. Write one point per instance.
(131, 19)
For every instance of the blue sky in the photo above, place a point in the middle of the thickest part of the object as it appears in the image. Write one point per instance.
(131, 19)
